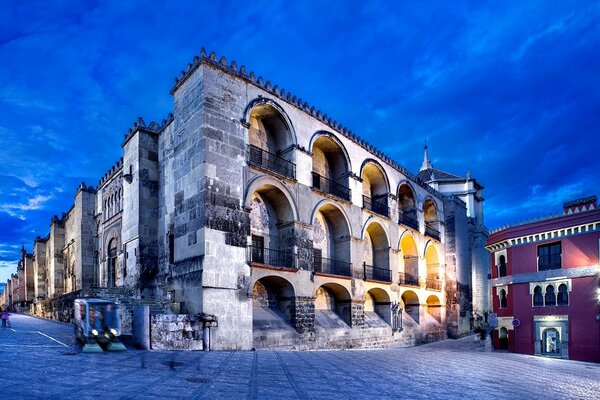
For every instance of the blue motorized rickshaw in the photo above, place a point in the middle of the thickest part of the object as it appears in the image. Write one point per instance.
(98, 324)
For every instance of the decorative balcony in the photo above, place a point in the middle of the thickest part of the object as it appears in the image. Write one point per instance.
(433, 283)
(379, 206)
(409, 280)
(272, 257)
(272, 162)
(333, 267)
(431, 231)
(408, 220)
(377, 273)
(330, 187)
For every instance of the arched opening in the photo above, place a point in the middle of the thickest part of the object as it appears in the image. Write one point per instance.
(332, 306)
(407, 210)
(375, 189)
(538, 298)
(434, 308)
(377, 307)
(271, 228)
(503, 339)
(503, 301)
(273, 302)
(410, 261)
(330, 168)
(331, 241)
(432, 223)
(433, 268)
(270, 140)
(502, 266)
(377, 263)
(411, 305)
(563, 295)
(550, 298)
(113, 264)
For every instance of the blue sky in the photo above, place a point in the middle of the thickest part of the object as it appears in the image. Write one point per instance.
(510, 90)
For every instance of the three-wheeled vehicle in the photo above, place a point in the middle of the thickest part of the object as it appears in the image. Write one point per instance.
(98, 324)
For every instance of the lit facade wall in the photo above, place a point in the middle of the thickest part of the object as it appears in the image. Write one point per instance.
(552, 323)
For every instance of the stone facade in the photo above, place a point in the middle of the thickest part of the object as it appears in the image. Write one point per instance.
(248, 205)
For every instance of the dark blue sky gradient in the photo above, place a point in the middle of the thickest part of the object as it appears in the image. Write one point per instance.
(509, 90)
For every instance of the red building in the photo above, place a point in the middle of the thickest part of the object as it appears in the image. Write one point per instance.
(545, 284)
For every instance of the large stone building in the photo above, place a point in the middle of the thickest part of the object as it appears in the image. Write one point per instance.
(252, 208)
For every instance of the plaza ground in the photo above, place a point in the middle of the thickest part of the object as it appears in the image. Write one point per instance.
(40, 360)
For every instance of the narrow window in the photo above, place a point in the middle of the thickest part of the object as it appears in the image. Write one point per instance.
(318, 260)
(171, 248)
(563, 295)
(503, 298)
(538, 298)
(258, 249)
(549, 256)
(550, 296)
(502, 266)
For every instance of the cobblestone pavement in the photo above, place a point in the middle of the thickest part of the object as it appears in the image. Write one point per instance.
(39, 359)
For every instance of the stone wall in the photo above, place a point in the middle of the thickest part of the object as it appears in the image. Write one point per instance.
(175, 332)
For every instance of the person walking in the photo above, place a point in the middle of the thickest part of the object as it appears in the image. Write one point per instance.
(5, 319)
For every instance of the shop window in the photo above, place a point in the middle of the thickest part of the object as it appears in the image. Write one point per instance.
(563, 295)
(538, 298)
(550, 296)
(549, 256)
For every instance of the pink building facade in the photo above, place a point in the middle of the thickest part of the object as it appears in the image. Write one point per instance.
(545, 284)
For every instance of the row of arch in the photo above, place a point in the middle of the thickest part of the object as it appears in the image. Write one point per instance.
(279, 295)
(271, 136)
(550, 297)
(113, 203)
(272, 217)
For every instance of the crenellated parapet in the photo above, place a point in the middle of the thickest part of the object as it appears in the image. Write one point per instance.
(111, 172)
(275, 90)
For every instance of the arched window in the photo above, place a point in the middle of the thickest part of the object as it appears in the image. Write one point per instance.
(563, 295)
(550, 296)
(502, 266)
(503, 298)
(538, 299)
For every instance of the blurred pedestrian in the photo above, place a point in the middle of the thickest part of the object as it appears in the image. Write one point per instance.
(5, 319)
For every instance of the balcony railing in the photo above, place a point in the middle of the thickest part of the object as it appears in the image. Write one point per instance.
(431, 231)
(330, 187)
(378, 206)
(433, 283)
(263, 159)
(409, 279)
(377, 273)
(333, 267)
(408, 220)
(277, 258)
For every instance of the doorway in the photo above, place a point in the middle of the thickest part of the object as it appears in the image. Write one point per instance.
(551, 342)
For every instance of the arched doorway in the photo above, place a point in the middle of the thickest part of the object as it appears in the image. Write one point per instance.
(331, 242)
(432, 224)
(433, 268)
(434, 308)
(273, 302)
(375, 189)
(377, 262)
(270, 140)
(503, 339)
(330, 167)
(551, 342)
(271, 228)
(377, 306)
(332, 306)
(410, 260)
(407, 210)
(411, 305)
(113, 264)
